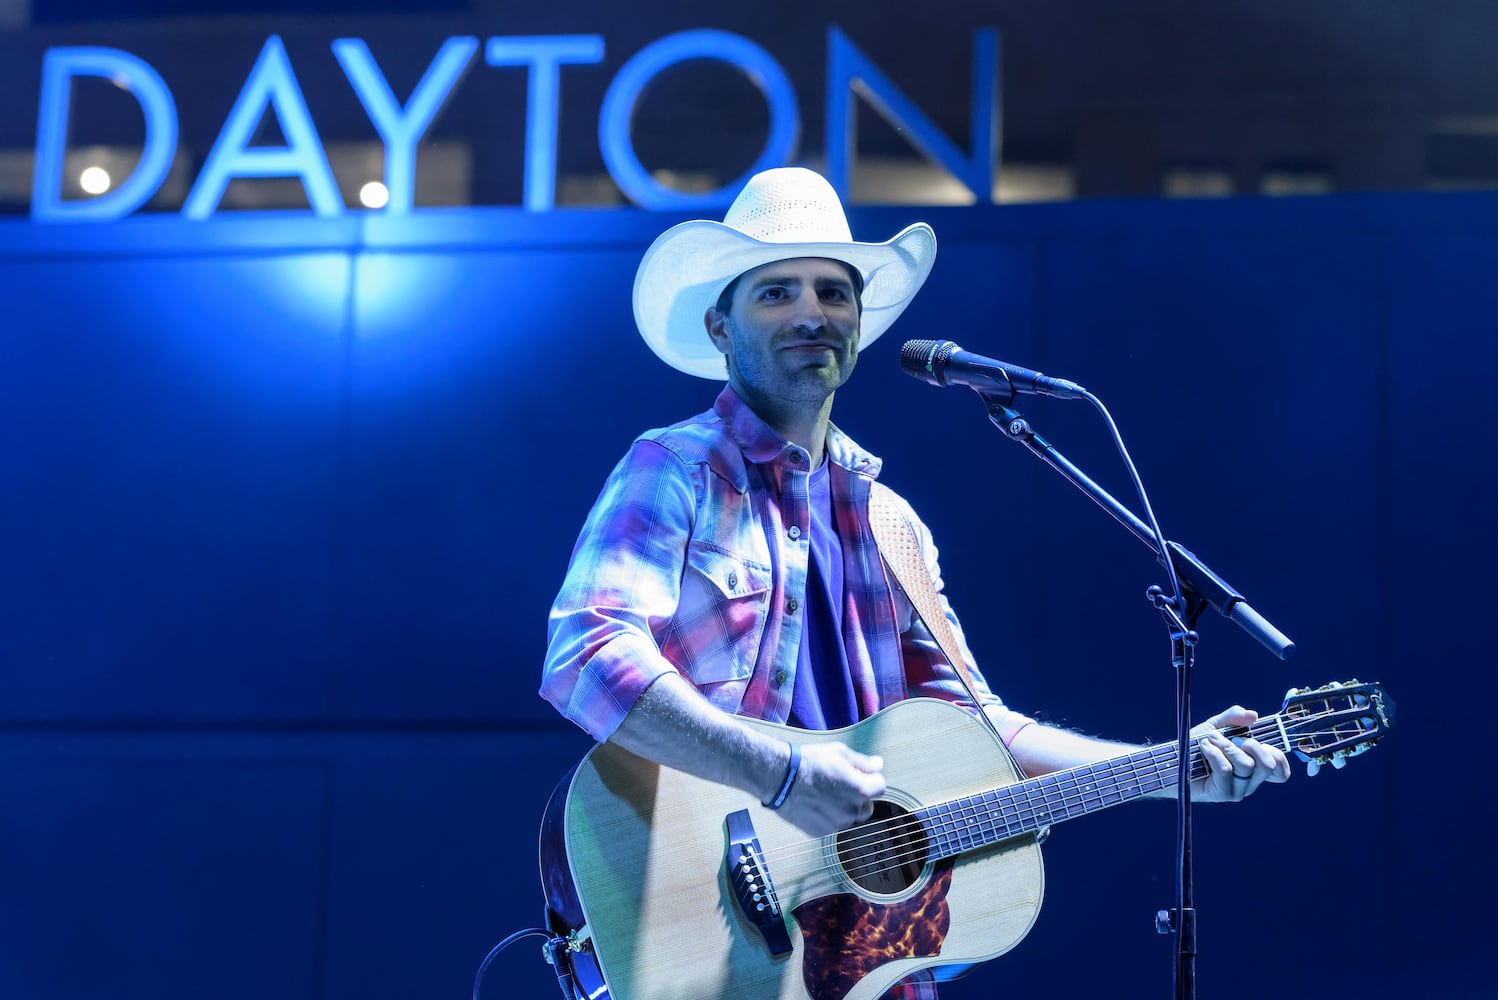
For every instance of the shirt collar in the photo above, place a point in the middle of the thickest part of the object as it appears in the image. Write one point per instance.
(761, 443)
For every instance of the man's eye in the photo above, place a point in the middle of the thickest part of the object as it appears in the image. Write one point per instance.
(772, 294)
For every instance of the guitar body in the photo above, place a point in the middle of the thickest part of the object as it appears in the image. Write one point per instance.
(665, 886)
(644, 849)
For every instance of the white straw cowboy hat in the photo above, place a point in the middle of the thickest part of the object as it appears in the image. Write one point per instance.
(781, 214)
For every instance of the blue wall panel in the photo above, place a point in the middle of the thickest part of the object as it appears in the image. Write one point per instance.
(170, 465)
(434, 859)
(173, 870)
(464, 424)
(1442, 491)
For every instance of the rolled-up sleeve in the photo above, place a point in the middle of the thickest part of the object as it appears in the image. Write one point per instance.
(624, 578)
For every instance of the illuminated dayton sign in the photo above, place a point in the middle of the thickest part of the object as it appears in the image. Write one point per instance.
(272, 86)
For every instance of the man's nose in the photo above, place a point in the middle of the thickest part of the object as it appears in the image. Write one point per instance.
(809, 311)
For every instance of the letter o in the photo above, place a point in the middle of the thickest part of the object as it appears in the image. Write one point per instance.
(618, 110)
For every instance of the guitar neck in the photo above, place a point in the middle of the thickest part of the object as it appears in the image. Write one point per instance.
(1028, 806)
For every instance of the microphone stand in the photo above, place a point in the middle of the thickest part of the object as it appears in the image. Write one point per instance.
(1199, 588)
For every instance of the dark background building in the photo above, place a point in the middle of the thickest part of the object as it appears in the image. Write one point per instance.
(1099, 100)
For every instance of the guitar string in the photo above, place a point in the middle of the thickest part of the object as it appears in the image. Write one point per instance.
(959, 823)
(1158, 756)
(966, 824)
(961, 815)
(1056, 803)
(957, 817)
(915, 826)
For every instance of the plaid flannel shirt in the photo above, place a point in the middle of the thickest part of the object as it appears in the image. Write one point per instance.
(694, 560)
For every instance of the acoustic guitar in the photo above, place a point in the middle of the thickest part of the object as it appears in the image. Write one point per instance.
(669, 887)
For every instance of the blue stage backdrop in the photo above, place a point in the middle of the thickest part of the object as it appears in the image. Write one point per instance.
(285, 502)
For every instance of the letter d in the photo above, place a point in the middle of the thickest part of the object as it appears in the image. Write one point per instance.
(133, 74)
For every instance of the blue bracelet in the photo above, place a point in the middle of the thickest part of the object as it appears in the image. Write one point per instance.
(790, 778)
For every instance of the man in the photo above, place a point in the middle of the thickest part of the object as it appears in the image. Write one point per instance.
(729, 567)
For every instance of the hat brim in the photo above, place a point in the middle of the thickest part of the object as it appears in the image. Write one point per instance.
(689, 265)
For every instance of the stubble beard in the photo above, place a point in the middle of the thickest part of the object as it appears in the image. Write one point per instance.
(806, 385)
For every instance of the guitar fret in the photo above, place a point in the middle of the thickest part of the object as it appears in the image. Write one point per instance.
(1032, 804)
(1028, 806)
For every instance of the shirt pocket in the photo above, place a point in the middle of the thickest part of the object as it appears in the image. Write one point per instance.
(720, 622)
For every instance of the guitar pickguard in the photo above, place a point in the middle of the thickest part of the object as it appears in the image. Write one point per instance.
(847, 936)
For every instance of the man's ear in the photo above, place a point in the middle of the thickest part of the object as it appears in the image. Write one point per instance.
(716, 323)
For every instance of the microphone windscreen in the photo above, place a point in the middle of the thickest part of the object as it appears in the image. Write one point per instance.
(926, 359)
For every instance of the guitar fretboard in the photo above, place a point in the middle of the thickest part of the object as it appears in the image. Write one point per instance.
(1025, 807)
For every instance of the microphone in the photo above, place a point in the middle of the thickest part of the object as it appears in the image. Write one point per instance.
(943, 363)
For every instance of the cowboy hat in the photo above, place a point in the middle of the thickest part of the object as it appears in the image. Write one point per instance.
(784, 213)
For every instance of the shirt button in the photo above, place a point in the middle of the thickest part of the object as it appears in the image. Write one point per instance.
(779, 677)
(791, 605)
(794, 532)
(733, 580)
(797, 457)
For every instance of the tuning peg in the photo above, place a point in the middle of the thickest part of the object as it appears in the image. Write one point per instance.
(1312, 766)
(1339, 762)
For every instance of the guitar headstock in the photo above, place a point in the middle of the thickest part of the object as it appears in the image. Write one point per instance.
(1329, 724)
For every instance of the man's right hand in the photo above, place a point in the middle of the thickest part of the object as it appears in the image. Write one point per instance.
(673, 725)
(835, 788)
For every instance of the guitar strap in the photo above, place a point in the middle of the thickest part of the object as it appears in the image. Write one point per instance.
(900, 547)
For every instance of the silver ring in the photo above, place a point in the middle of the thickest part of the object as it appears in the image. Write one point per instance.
(1242, 777)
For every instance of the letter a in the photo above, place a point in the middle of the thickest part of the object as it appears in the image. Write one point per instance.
(271, 83)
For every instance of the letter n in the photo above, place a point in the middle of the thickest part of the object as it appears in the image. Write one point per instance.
(850, 72)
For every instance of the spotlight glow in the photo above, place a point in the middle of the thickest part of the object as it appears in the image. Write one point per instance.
(94, 180)
(374, 195)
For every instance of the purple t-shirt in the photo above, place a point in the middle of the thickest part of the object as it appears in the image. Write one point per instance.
(823, 697)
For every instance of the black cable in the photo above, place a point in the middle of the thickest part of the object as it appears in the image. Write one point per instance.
(1178, 599)
(493, 952)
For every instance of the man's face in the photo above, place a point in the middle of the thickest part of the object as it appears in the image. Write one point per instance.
(791, 331)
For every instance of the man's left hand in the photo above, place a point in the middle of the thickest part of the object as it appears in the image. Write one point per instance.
(1235, 768)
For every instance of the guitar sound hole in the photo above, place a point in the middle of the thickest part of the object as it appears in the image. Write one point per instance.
(887, 854)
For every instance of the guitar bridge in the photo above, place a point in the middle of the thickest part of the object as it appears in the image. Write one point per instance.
(749, 879)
